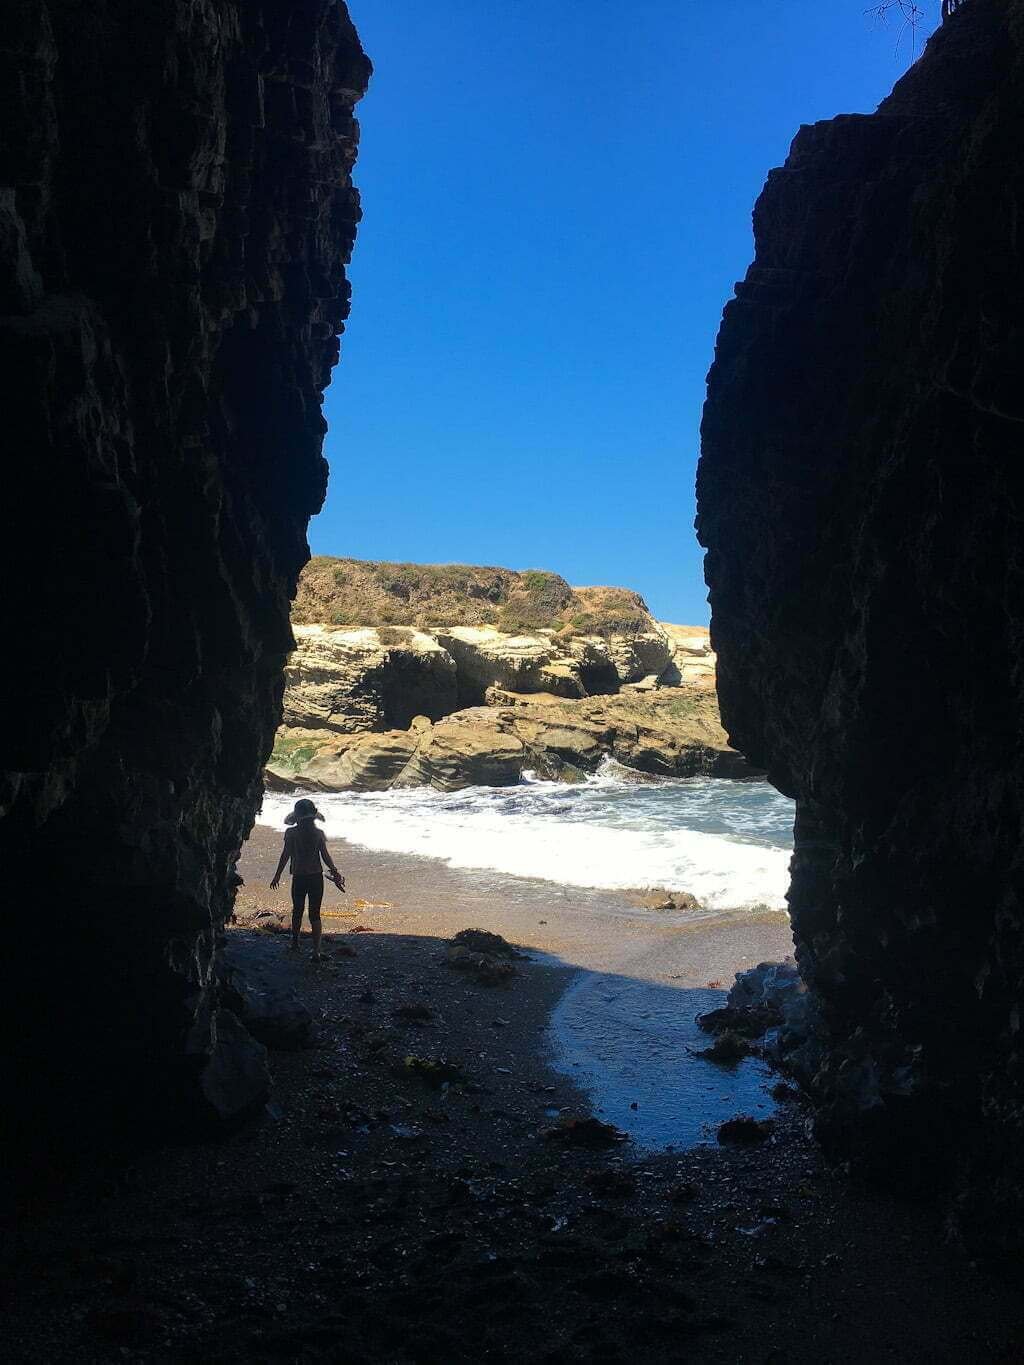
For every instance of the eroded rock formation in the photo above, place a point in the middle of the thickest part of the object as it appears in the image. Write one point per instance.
(430, 699)
(673, 733)
(861, 499)
(175, 214)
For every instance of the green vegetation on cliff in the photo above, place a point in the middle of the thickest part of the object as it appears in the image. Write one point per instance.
(355, 592)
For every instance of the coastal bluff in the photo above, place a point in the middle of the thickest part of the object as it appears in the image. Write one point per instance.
(456, 675)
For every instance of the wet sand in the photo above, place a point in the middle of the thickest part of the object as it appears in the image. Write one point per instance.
(599, 931)
(372, 1217)
(634, 979)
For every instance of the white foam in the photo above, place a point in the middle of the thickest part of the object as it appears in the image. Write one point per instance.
(612, 836)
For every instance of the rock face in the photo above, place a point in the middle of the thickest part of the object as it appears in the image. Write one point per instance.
(668, 734)
(379, 705)
(350, 681)
(861, 501)
(175, 214)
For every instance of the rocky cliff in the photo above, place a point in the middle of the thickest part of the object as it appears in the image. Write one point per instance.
(435, 700)
(175, 214)
(860, 497)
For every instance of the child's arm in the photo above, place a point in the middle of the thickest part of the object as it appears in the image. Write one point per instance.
(286, 853)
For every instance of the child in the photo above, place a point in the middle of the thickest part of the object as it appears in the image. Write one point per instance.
(304, 846)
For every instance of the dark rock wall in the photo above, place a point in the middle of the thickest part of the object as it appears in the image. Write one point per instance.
(175, 214)
(861, 497)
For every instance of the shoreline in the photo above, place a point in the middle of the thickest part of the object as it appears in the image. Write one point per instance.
(589, 928)
(370, 1215)
(620, 1025)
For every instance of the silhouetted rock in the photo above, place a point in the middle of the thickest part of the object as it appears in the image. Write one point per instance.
(233, 1080)
(862, 509)
(744, 1131)
(273, 1016)
(483, 941)
(175, 219)
(584, 1132)
(728, 1048)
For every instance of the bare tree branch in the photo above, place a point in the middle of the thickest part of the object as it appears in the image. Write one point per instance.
(911, 14)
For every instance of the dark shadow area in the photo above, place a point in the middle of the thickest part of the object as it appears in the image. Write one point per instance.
(375, 1212)
(861, 500)
(164, 357)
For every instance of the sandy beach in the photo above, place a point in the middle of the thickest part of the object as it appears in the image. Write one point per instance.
(376, 1214)
(594, 930)
(596, 944)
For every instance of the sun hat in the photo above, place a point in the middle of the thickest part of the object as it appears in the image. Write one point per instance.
(304, 810)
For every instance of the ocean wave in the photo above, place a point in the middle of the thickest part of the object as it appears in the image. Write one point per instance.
(726, 843)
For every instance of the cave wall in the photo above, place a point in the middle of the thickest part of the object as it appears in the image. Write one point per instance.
(176, 211)
(861, 495)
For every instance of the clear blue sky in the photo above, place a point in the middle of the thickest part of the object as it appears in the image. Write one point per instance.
(556, 199)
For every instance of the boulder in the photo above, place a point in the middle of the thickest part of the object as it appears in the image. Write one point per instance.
(636, 656)
(693, 660)
(465, 753)
(561, 679)
(233, 1081)
(273, 1016)
(657, 898)
(368, 763)
(769, 984)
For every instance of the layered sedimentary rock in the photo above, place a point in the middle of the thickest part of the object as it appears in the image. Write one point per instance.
(670, 733)
(175, 214)
(355, 680)
(861, 498)
(597, 676)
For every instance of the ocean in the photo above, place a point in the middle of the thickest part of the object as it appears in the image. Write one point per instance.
(728, 843)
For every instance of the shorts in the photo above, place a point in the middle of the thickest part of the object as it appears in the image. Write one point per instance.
(309, 885)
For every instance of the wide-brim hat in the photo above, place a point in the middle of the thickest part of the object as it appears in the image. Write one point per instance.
(304, 810)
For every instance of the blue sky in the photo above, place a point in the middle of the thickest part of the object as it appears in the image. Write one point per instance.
(557, 199)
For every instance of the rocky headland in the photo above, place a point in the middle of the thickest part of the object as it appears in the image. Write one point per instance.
(453, 675)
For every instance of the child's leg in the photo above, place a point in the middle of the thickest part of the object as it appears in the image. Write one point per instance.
(316, 895)
(298, 897)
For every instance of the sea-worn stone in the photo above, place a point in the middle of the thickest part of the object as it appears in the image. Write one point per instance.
(459, 753)
(232, 1080)
(416, 653)
(276, 1017)
(668, 733)
(351, 681)
(485, 657)
(861, 501)
(176, 210)
(658, 898)
(367, 763)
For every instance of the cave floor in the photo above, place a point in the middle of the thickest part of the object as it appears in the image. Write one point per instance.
(369, 1216)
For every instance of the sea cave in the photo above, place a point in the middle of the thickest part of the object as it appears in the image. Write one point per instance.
(177, 212)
